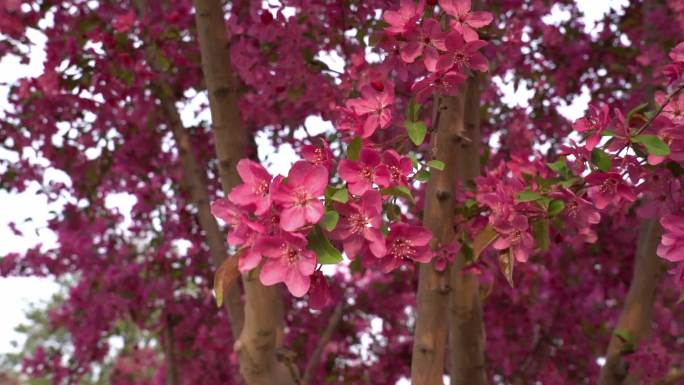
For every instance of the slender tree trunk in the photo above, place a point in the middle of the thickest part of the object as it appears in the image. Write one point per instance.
(260, 336)
(429, 344)
(466, 331)
(637, 314)
(172, 374)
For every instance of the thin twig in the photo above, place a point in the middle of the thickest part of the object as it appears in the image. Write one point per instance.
(311, 366)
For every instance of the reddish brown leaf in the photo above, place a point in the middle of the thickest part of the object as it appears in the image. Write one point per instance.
(225, 275)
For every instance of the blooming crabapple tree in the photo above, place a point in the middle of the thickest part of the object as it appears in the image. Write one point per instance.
(460, 236)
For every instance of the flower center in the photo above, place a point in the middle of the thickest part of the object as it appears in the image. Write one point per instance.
(367, 173)
(572, 209)
(402, 248)
(358, 222)
(260, 188)
(609, 186)
(291, 255)
(318, 156)
(461, 59)
(302, 197)
(395, 173)
(516, 238)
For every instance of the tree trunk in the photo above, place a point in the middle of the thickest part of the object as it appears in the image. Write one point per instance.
(172, 375)
(466, 332)
(256, 346)
(637, 314)
(429, 344)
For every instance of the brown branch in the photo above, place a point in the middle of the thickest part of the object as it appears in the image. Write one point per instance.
(673, 377)
(261, 334)
(311, 366)
(637, 313)
(429, 343)
(466, 332)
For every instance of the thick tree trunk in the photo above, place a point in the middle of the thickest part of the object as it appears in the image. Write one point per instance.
(429, 344)
(466, 328)
(256, 346)
(637, 314)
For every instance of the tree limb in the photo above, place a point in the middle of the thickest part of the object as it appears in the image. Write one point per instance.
(311, 366)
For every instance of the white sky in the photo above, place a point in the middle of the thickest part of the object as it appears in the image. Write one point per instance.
(30, 211)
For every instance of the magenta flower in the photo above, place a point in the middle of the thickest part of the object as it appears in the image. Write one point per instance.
(674, 110)
(243, 232)
(607, 188)
(439, 83)
(404, 19)
(593, 123)
(254, 191)
(406, 243)
(677, 53)
(318, 155)
(361, 175)
(299, 198)
(375, 104)
(359, 225)
(516, 237)
(672, 242)
(466, 21)
(288, 260)
(446, 254)
(426, 41)
(581, 213)
(399, 167)
(462, 55)
(319, 294)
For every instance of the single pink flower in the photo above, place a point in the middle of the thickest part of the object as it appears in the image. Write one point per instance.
(399, 167)
(446, 254)
(441, 83)
(359, 225)
(462, 55)
(672, 242)
(404, 19)
(318, 154)
(124, 23)
(254, 191)
(516, 237)
(288, 260)
(580, 213)
(406, 243)
(593, 123)
(674, 110)
(319, 294)
(426, 41)
(242, 233)
(299, 197)
(375, 105)
(607, 188)
(360, 175)
(677, 53)
(466, 21)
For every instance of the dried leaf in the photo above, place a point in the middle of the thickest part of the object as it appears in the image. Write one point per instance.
(506, 262)
(482, 240)
(225, 275)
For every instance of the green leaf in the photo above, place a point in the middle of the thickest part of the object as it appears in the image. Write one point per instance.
(399, 191)
(540, 232)
(601, 160)
(416, 131)
(353, 149)
(470, 203)
(608, 133)
(635, 110)
(340, 195)
(436, 164)
(422, 176)
(529, 196)
(556, 207)
(329, 221)
(654, 145)
(625, 335)
(412, 111)
(558, 166)
(325, 252)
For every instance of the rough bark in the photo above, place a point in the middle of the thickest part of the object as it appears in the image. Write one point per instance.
(466, 328)
(429, 344)
(637, 313)
(260, 336)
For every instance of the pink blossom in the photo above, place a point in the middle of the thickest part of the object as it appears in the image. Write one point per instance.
(406, 243)
(254, 191)
(299, 197)
(672, 242)
(462, 55)
(466, 20)
(318, 154)
(399, 167)
(288, 260)
(375, 105)
(580, 212)
(319, 294)
(674, 110)
(677, 53)
(124, 23)
(426, 41)
(516, 237)
(359, 225)
(607, 188)
(439, 83)
(593, 123)
(404, 19)
(446, 254)
(360, 175)
(243, 232)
